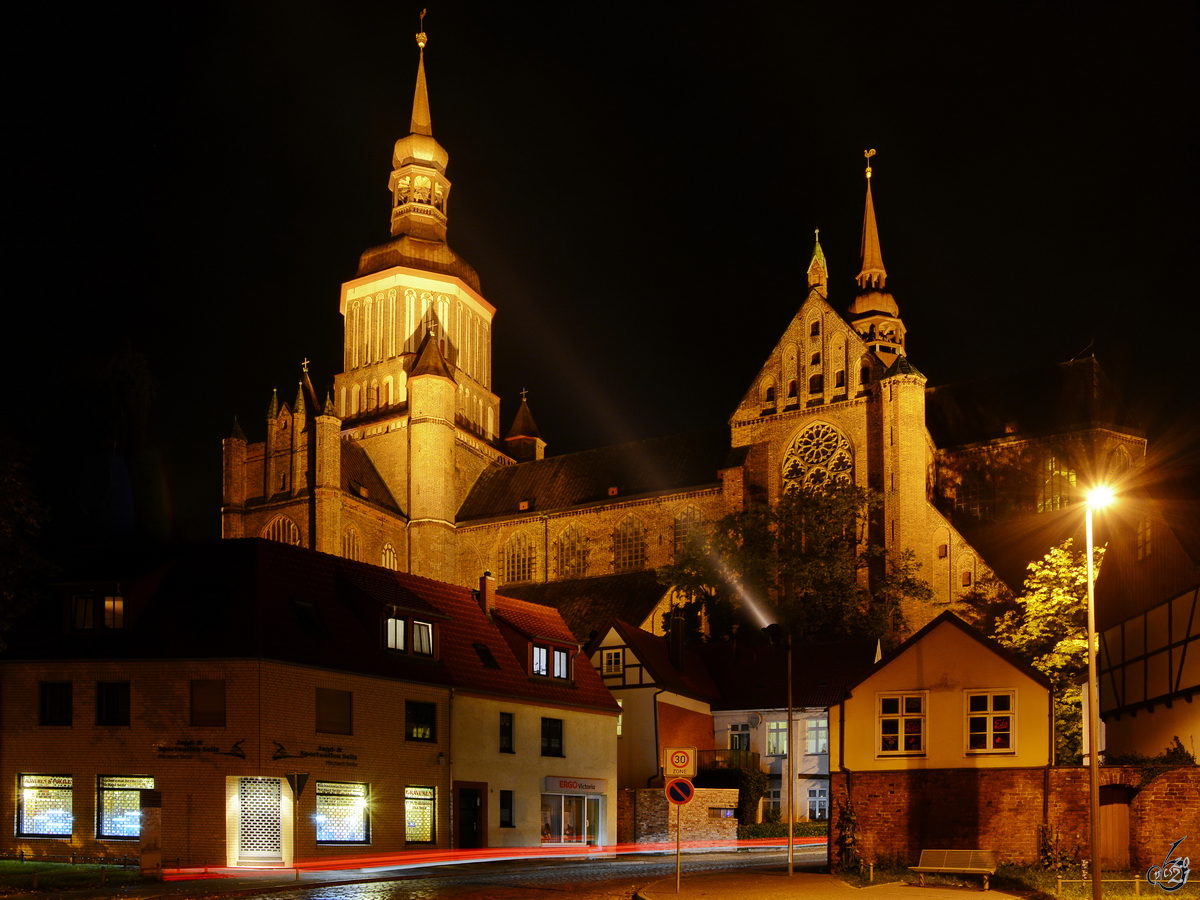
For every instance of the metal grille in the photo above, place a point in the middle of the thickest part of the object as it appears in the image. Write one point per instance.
(260, 828)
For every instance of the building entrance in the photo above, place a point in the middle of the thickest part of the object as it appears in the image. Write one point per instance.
(260, 826)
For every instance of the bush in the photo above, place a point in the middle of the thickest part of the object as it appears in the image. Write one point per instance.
(780, 830)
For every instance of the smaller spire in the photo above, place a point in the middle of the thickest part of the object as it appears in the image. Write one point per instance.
(421, 123)
(872, 274)
(299, 405)
(273, 409)
(818, 270)
(237, 434)
(329, 409)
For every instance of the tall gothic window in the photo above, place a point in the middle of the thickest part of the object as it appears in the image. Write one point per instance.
(1057, 485)
(351, 546)
(818, 454)
(687, 526)
(282, 529)
(389, 560)
(572, 553)
(518, 560)
(629, 545)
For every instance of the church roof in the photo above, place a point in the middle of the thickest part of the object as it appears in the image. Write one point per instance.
(416, 253)
(902, 366)
(361, 479)
(754, 676)
(254, 598)
(430, 360)
(588, 605)
(1031, 403)
(523, 424)
(672, 463)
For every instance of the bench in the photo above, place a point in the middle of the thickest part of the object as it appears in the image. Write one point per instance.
(957, 862)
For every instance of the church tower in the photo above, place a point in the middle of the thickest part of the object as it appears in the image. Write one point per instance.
(874, 313)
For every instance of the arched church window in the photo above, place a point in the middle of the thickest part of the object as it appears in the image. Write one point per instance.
(814, 329)
(355, 400)
(816, 384)
(572, 553)
(283, 530)
(1056, 487)
(768, 400)
(839, 379)
(688, 528)
(518, 560)
(351, 545)
(388, 558)
(864, 376)
(403, 186)
(816, 359)
(629, 545)
(792, 389)
(817, 455)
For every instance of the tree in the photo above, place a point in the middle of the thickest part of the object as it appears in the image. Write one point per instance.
(803, 562)
(24, 571)
(1048, 628)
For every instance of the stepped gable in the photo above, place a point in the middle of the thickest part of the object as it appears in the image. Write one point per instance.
(1035, 402)
(754, 676)
(587, 605)
(671, 463)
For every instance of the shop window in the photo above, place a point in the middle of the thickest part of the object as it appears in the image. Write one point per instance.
(112, 703)
(119, 805)
(54, 703)
(208, 703)
(563, 819)
(777, 738)
(816, 735)
(342, 813)
(552, 737)
(419, 810)
(990, 718)
(506, 733)
(902, 723)
(420, 721)
(335, 711)
(44, 805)
(507, 820)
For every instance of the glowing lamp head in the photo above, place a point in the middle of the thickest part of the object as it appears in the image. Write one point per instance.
(1100, 497)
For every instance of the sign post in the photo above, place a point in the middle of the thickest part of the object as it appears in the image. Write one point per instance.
(679, 791)
(297, 781)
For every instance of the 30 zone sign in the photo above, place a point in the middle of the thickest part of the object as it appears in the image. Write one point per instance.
(679, 762)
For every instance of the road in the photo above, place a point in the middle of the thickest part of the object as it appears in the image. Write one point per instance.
(608, 879)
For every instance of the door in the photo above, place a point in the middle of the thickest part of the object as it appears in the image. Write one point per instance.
(1114, 826)
(470, 829)
(593, 821)
(260, 825)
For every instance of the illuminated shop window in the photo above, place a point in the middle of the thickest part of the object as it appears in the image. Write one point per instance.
(342, 815)
(990, 722)
(119, 810)
(563, 819)
(419, 810)
(902, 723)
(44, 806)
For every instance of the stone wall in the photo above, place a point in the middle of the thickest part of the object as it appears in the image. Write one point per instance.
(901, 813)
(645, 816)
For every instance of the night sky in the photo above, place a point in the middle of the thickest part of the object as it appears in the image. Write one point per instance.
(637, 186)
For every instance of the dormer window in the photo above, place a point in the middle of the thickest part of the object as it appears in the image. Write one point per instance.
(408, 636)
(551, 661)
(89, 609)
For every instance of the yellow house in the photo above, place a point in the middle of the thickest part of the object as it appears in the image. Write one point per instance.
(946, 698)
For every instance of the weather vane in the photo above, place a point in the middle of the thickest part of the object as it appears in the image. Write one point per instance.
(421, 39)
(868, 154)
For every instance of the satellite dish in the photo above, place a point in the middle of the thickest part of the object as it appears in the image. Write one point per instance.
(755, 720)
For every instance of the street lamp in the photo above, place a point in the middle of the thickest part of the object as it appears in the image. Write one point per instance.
(1097, 498)
(777, 635)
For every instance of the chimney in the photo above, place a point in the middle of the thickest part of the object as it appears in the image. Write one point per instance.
(675, 639)
(487, 593)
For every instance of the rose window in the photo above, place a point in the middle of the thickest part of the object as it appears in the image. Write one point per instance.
(819, 454)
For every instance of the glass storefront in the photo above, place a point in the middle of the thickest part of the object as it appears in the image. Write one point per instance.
(419, 812)
(570, 819)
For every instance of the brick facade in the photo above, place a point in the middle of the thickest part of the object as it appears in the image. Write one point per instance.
(645, 816)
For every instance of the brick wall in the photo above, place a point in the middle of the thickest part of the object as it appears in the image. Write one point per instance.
(645, 816)
(902, 812)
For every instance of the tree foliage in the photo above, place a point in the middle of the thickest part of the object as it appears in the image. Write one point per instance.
(803, 562)
(1047, 625)
(24, 571)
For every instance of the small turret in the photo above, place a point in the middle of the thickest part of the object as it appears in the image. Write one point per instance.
(523, 441)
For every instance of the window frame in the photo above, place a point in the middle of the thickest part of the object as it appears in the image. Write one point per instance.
(816, 731)
(553, 737)
(777, 731)
(331, 790)
(105, 788)
(113, 711)
(414, 723)
(902, 717)
(60, 708)
(204, 714)
(991, 715)
(67, 789)
(507, 733)
(613, 662)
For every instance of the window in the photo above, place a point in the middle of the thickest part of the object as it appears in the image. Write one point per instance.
(561, 667)
(620, 717)
(687, 529)
(614, 663)
(388, 558)
(395, 634)
(44, 806)
(507, 820)
(342, 815)
(816, 384)
(484, 652)
(572, 553)
(422, 638)
(112, 703)
(629, 545)
(902, 723)
(83, 611)
(990, 722)
(282, 529)
(543, 656)
(552, 737)
(1145, 538)
(777, 738)
(818, 804)
(351, 546)
(54, 703)
(839, 379)
(119, 806)
(208, 703)
(419, 808)
(816, 736)
(541, 660)
(815, 328)
(739, 736)
(420, 721)
(114, 612)
(563, 818)
(335, 711)
(518, 560)
(1057, 484)
(506, 733)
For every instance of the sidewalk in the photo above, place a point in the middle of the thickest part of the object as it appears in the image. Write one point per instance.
(774, 884)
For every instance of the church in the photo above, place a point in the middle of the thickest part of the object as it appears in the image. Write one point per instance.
(406, 464)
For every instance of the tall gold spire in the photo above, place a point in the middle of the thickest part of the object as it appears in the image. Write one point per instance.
(873, 274)
(421, 123)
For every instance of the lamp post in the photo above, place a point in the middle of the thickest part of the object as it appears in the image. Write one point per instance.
(777, 636)
(1098, 498)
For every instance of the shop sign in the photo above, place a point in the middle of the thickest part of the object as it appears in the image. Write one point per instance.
(556, 784)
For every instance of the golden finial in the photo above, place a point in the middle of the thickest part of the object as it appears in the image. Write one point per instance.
(421, 39)
(817, 235)
(868, 154)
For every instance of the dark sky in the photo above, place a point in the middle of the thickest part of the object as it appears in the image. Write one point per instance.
(637, 186)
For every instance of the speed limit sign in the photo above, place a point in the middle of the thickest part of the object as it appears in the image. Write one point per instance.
(679, 762)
